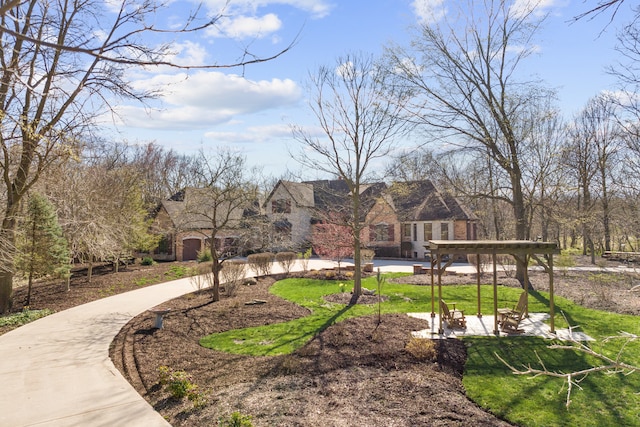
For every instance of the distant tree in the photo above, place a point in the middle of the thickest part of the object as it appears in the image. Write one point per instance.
(101, 208)
(41, 247)
(360, 120)
(62, 64)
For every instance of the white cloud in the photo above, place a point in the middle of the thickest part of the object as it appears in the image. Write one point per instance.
(429, 11)
(207, 98)
(521, 8)
(252, 134)
(240, 27)
(317, 8)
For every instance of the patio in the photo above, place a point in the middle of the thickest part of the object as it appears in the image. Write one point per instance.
(484, 326)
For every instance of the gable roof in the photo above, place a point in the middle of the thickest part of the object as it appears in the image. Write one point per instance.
(185, 209)
(301, 193)
(422, 201)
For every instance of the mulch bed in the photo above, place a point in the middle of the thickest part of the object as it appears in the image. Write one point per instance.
(357, 372)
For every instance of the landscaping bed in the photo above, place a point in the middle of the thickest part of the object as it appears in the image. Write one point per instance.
(352, 373)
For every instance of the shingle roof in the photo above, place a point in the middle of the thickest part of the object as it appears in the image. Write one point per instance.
(187, 209)
(422, 201)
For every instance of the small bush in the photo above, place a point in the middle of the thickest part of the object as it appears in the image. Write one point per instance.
(261, 263)
(201, 276)
(565, 261)
(236, 419)
(286, 260)
(204, 256)
(177, 272)
(24, 317)
(179, 385)
(421, 348)
(366, 255)
(147, 261)
(304, 259)
(232, 274)
(483, 266)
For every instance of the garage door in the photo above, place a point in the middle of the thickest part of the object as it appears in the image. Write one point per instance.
(190, 249)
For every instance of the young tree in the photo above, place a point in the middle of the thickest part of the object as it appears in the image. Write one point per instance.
(331, 239)
(60, 64)
(360, 120)
(463, 69)
(227, 200)
(41, 247)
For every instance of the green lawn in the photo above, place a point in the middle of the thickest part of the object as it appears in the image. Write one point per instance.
(603, 400)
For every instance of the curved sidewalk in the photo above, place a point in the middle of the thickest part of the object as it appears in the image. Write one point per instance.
(56, 371)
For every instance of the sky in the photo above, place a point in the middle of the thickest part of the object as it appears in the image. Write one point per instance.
(251, 109)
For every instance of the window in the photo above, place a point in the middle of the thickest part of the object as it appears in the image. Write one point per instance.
(428, 231)
(281, 206)
(444, 231)
(382, 233)
(415, 232)
(282, 230)
(406, 230)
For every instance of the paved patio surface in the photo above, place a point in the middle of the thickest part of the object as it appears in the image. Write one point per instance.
(484, 326)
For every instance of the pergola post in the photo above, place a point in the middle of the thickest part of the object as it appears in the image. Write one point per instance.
(478, 270)
(495, 293)
(440, 328)
(433, 310)
(552, 308)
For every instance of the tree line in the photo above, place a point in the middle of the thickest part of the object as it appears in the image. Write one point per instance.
(492, 134)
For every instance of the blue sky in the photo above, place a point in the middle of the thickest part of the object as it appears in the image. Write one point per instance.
(250, 110)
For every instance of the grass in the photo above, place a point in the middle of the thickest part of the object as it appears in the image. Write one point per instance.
(604, 399)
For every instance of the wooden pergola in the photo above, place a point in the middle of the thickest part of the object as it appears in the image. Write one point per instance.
(521, 250)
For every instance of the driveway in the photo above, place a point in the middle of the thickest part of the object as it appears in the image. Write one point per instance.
(56, 371)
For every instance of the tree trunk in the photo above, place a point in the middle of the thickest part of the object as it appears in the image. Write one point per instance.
(216, 266)
(520, 215)
(6, 269)
(6, 289)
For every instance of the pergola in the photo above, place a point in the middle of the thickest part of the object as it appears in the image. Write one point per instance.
(521, 250)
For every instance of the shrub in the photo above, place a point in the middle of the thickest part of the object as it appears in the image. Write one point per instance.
(286, 260)
(304, 259)
(147, 261)
(421, 348)
(25, 316)
(261, 263)
(236, 419)
(565, 261)
(483, 266)
(232, 273)
(201, 276)
(177, 272)
(179, 385)
(366, 255)
(204, 256)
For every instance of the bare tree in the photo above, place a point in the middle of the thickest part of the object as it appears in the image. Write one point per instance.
(226, 201)
(359, 120)
(59, 64)
(463, 72)
(592, 154)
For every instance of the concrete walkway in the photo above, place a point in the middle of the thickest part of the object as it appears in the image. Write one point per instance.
(56, 371)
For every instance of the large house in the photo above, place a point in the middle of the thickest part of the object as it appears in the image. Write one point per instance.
(186, 222)
(401, 218)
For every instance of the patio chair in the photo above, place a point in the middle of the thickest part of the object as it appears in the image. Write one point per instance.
(510, 318)
(454, 318)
